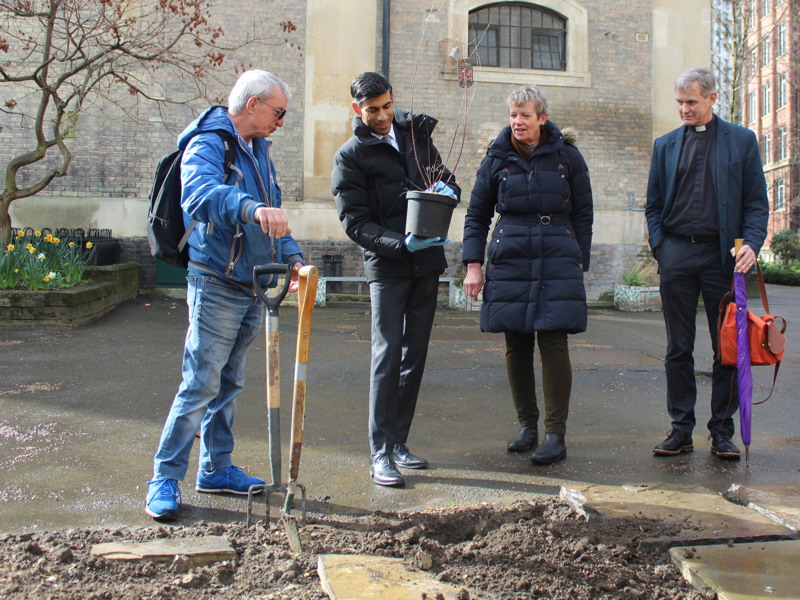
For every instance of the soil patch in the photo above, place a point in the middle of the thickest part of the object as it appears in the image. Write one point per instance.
(529, 550)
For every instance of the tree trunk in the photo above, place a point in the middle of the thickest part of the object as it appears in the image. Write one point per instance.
(5, 224)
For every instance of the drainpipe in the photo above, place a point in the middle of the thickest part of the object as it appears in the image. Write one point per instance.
(385, 42)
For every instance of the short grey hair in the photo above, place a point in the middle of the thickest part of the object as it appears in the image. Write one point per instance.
(255, 82)
(526, 93)
(704, 77)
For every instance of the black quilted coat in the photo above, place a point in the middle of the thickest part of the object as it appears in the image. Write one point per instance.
(540, 246)
(369, 182)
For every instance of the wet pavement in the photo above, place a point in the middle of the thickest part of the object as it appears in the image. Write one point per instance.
(81, 412)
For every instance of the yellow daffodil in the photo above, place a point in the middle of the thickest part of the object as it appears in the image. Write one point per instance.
(45, 279)
(37, 233)
(31, 249)
(48, 238)
(71, 244)
(89, 245)
(20, 234)
(10, 247)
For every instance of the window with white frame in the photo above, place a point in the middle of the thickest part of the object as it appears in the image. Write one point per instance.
(766, 148)
(751, 106)
(779, 195)
(510, 40)
(783, 90)
(766, 99)
(765, 49)
(764, 8)
(518, 36)
(781, 39)
(783, 144)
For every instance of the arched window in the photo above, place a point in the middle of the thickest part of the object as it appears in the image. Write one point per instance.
(518, 35)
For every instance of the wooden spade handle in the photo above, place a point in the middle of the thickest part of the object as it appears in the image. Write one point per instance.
(307, 292)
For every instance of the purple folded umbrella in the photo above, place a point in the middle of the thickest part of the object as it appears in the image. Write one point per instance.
(745, 377)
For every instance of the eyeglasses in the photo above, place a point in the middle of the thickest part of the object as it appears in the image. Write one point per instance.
(279, 112)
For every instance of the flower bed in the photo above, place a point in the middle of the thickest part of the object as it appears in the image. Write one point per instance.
(106, 288)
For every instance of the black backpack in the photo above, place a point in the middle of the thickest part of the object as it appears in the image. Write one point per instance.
(165, 230)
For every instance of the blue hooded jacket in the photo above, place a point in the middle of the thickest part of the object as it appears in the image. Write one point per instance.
(219, 206)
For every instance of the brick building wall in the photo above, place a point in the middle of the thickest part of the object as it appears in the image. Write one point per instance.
(114, 157)
(771, 78)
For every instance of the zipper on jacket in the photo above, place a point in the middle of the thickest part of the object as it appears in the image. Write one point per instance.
(233, 260)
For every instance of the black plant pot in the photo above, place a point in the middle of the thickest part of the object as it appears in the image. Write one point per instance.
(429, 214)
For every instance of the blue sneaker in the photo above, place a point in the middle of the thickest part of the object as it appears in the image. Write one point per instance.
(230, 479)
(163, 499)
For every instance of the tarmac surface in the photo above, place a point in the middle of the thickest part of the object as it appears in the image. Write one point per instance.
(81, 412)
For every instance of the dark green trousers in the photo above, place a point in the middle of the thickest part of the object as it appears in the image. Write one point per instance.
(556, 377)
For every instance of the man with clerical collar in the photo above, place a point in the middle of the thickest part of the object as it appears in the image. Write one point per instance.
(706, 188)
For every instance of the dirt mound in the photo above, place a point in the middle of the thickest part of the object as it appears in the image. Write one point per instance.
(529, 550)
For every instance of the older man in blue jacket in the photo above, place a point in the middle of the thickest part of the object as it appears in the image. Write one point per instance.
(238, 224)
(706, 188)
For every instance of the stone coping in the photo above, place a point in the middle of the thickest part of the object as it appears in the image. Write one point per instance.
(106, 287)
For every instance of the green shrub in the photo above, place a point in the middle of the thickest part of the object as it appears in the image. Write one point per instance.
(785, 244)
(781, 274)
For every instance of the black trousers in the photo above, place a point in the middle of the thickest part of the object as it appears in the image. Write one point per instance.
(556, 377)
(402, 318)
(689, 269)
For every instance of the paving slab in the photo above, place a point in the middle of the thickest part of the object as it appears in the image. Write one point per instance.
(200, 550)
(360, 577)
(781, 503)
(753, 571)
(703, 516)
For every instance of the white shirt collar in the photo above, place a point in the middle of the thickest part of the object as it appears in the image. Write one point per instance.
(389, 137)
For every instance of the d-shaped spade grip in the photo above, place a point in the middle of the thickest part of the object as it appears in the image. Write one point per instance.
(271, 302)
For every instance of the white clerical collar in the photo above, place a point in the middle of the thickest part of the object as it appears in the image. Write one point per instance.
(700, 128)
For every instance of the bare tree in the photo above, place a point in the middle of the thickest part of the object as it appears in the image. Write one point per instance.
(730, 51)
(61, 56)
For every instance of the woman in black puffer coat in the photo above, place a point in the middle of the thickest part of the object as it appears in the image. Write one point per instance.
(535, 178)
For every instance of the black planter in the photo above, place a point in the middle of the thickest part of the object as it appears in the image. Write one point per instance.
(429, 214)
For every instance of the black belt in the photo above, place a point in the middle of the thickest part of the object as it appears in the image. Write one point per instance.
(696, 239)
(536, 219)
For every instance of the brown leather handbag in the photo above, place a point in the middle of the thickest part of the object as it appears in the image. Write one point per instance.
(767, 341)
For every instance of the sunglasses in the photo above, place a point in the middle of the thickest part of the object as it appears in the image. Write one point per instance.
(280, 113)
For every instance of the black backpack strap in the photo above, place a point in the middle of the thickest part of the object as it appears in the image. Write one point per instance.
(229, 143)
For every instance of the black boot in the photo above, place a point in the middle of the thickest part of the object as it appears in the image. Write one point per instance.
(526, 439)
(552, 450)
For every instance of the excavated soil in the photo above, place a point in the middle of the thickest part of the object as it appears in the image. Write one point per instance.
(529, 550)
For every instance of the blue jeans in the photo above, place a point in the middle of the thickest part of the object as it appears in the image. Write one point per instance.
(223, 322)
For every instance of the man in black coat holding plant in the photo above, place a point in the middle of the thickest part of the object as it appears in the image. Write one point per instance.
(372, 172)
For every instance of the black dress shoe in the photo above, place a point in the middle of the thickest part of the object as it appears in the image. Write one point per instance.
(676, 443)
(383, 471)
(526, 439)
(552, 450)
(723, 447)
(402, 457)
